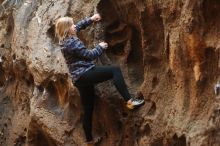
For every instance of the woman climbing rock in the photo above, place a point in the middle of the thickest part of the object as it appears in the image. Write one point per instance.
(85, 74)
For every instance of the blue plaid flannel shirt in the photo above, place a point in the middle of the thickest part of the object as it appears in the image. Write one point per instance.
(79, 59)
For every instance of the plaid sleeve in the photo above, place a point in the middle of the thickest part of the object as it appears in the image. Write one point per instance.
(81, 50)
(83, 24)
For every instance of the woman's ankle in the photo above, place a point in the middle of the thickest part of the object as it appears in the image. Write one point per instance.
(129, 100)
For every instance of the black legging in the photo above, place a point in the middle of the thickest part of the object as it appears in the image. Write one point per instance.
(86, 84)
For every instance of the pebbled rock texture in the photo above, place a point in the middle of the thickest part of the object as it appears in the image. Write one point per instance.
(168, 51)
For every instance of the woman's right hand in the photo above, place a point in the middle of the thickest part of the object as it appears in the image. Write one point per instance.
(104, 45)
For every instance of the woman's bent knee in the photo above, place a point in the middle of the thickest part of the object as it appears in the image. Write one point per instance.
(116, 68)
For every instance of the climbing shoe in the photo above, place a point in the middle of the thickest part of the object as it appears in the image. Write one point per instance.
(96, 141)
(134, 103)
(90, 144)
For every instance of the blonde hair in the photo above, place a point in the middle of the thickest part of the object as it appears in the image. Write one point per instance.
(62, 27)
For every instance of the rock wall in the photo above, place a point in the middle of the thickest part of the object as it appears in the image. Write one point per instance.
(168, 52)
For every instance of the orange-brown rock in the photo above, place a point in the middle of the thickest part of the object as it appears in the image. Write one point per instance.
(168, 51)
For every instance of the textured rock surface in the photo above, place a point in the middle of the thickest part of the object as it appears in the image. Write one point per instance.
(168, 51)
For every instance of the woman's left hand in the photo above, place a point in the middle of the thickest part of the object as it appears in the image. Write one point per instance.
(96, 18)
